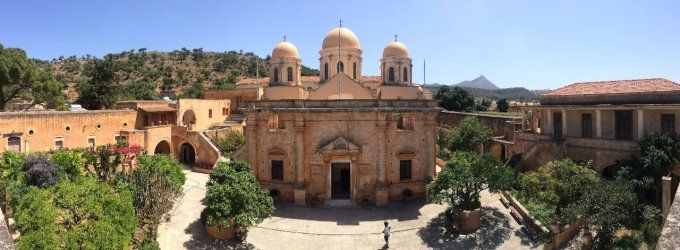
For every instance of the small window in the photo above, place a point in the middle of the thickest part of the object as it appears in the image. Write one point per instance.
(277, 170)
(341, 67)
(276, 75)
(67, 128)
(14, 143)
(404, 123)
(354, 71)
(290, 74)
(325, 71)
(209, 113)
(31, 132)
(98, 126)
(58, 143)
(405, 74)
(586, 126)
(391, 75)
(668, 124)
(90, 142)
(225, 111)
(405, 170)
(275, 123)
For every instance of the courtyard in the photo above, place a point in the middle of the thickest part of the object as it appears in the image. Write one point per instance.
(416, 225)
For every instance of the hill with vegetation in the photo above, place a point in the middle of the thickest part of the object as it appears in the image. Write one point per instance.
(516, 93)
(149, 75)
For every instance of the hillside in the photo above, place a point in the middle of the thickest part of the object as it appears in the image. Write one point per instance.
(517, 93)
(174, 72)
(479, 83)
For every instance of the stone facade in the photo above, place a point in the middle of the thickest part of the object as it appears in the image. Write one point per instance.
(309, 137)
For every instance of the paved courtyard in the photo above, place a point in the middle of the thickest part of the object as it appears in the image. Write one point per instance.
(415, 226)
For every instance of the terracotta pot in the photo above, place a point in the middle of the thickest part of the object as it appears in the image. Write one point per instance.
(470, 221)
(221, 231)
(586, 240)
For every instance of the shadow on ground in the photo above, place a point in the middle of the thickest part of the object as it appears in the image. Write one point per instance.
(494, 231)
(351, 215)
(200, 239)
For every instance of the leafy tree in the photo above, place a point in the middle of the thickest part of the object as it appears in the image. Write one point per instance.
(75, 215)
(604, 208)
(154, 186)
(99, 90)
(558, 183)
(307, 71)
(21, 78)
(456, 99)
(140, 90)
(69, 164)
(470, 135)
(466, 174)
(502, 105)
(233, 193)
(195, 91)
(40, 171)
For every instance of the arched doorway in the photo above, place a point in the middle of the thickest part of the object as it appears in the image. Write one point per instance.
(163, 147)
(189, 117)
(188, 154)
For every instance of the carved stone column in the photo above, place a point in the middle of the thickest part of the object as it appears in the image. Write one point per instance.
(640, 124)
(598, 122)
(381, 188)
(299, 185)
(429, 162)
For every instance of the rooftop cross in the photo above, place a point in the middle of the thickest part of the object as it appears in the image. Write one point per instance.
(284, 38)
(395, 37)
(340, 23)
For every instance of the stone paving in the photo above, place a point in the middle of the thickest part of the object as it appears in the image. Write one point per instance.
(415, 226)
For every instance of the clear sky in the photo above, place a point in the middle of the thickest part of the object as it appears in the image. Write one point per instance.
(535, 44)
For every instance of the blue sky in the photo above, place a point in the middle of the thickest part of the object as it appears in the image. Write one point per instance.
(535, 44)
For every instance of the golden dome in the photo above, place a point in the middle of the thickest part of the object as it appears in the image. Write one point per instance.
(395, 49)
(347, 39)
(285, 49)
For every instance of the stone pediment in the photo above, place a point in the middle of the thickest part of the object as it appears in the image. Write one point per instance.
(340, 144)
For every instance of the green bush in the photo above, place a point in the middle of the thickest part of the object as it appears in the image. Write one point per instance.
(234, 193)
(230, 142)
(470, 135)
(75, 215)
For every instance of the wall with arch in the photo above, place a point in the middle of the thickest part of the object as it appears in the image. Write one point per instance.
(207, 112)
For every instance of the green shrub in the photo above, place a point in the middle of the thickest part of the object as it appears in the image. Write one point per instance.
(235, 194)
(75, 215)
(470, 135)
(230, 142)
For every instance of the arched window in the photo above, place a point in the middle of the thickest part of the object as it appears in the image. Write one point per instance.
(14, 144)
(276, 75)
(405, 74)
(341, 67)
(325, 71)
(290, 74)
(354, 71)
(390, 78)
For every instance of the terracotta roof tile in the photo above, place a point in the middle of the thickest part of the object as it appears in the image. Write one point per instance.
(616, 87)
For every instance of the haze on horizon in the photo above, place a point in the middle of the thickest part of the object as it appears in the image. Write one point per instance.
(533, 44)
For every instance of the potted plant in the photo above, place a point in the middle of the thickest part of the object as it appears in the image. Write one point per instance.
(234, 200)
(406, 195)
(586, 239)
(274, 193)
(466, 174)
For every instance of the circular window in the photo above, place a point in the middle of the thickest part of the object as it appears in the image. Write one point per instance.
(67, 128)
(98, 126)
(125, 124)
(31, 132)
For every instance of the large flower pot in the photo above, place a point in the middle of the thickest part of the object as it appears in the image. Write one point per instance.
(221, 231)
(587, 240)
(470, 221)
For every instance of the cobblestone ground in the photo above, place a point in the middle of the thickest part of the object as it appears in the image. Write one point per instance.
(415, 226)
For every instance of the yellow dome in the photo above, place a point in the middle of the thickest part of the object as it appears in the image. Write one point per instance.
(347, 39)
(395, 49)
(285, 49)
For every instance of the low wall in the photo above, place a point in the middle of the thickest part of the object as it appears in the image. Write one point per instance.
(529, 220)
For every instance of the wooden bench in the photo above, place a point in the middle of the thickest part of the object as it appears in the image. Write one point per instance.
(516, 216)
(531, 233)
(505, 202)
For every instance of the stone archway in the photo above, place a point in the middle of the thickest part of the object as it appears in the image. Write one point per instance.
(188, 118)
(163, 147)
(187, 154)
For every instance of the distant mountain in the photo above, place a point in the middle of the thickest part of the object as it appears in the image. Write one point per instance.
(479, 83)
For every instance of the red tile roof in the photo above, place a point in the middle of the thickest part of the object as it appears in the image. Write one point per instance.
(616, 87)
(305, 79)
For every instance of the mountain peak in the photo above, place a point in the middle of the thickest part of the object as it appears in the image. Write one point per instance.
(480, 82)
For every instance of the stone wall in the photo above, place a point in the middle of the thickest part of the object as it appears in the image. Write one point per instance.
(670, 235)
(39, 130)
(501, 125)
(206, 113)
(237, 97)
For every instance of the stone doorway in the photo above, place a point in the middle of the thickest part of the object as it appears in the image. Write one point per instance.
(340, 180)
(188, 154)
